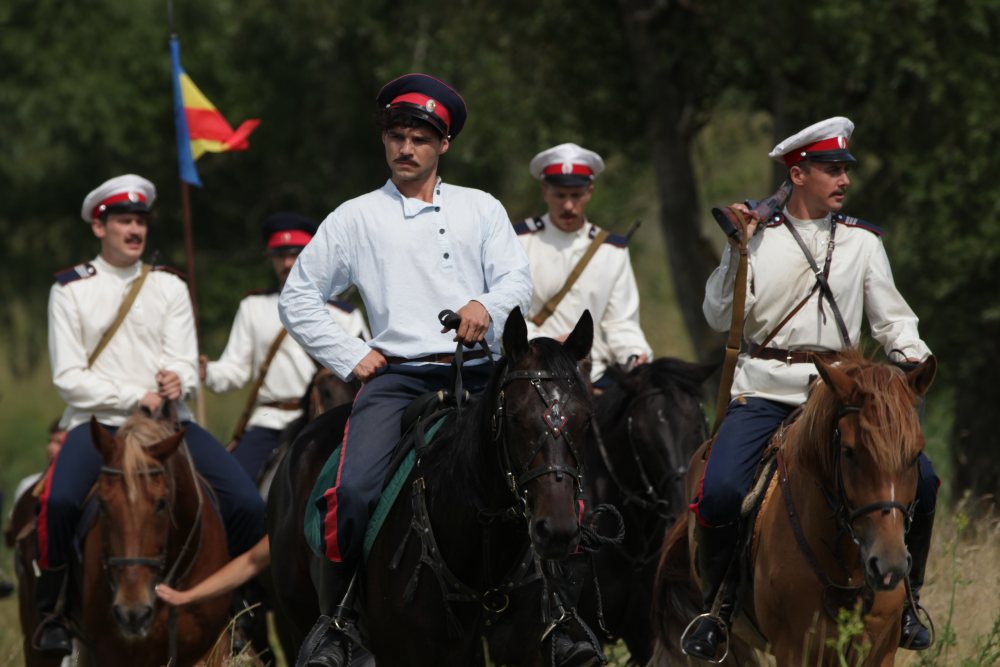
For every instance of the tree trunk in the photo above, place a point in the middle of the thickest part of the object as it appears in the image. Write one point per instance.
(670, 108)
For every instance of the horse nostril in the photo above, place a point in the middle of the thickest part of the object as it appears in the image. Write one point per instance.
(542, 529)
(873, 566)
(144, 616)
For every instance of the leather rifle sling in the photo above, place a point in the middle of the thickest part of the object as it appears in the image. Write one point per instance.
(553, 303)
(123, 309)
(735, 327)
(241, 425)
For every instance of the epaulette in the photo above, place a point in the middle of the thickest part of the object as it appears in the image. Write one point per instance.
(74, 273)
(345, 306)
(857, 222)
(529, 226)
(617, 240)
(262, 291)
(169, 269)
(776, 219)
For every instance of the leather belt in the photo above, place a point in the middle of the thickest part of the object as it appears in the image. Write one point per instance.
(793, 356)
(283, 405)
(438, 358)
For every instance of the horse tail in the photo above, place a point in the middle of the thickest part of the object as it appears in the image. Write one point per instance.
(675, 599)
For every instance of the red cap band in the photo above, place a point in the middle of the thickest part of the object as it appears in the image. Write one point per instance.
(558, 170)
(801, 153)
(131, 196)
(428, 104)
(288, 237)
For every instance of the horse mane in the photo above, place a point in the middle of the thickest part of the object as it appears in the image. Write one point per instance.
(457, 459)
(138, 432)
(888, 416)
(673, 377)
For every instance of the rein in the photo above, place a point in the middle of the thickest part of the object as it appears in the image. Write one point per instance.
(845, 516)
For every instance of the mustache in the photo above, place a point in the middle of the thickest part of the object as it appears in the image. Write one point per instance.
(404, 160)
(133, 238)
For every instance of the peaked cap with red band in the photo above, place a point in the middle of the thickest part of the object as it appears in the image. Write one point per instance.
(287, 232)
(429, 99)
(122, 194)
(567, 165)
(825, 141)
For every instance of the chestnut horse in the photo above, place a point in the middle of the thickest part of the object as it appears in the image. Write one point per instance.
(830, 531)
(155, 523)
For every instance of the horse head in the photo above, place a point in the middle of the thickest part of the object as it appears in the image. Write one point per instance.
(135, 500)
(543, 413)
(326, 391)
(869, 461)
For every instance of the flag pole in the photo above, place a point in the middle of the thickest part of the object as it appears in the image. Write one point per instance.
(189, 254)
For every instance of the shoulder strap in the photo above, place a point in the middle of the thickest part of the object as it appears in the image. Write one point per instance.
(822, 276)
(120, 317)
(241, 425)
(735, 325)
(551, 305)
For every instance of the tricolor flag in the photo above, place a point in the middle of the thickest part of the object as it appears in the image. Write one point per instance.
(200, 127)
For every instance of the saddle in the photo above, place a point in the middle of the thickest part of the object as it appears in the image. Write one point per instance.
(419, 426)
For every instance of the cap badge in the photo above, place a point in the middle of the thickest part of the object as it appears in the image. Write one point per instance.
(841, 142)
(567, 167)
(286, 237)
(430, 105)
(133, 197)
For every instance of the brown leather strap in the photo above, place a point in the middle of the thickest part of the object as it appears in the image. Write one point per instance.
(283, 405)
(553, 303)
(123, 309)
(793, 356)
(241, 425)
(437, 358)
(735, 325)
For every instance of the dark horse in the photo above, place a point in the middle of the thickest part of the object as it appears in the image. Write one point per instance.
(155, 523)
(830, 531)
(453, 573)
(649, 422)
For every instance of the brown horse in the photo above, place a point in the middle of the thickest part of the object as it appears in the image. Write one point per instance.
(830, 531)
(155, 523)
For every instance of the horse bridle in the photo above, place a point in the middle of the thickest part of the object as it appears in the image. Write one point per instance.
(846, 515)
(108, 562)
(556, 422)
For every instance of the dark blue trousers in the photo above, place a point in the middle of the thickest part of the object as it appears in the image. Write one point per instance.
(255, 448)
(372, 433)
(79, 464)
(741, 439)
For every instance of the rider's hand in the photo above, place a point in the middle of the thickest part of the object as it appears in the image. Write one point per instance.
(475, 323)
(202, 366)
(172, 596)
(640, 360)
(151, 402)
(169, 384)
(752, 220)
(367, 367)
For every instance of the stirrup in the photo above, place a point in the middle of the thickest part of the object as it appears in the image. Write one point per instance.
(921, 614)
(725, 637)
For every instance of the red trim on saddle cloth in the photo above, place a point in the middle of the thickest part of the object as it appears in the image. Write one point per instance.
(694, 505)
(42, 526)
(330, 541)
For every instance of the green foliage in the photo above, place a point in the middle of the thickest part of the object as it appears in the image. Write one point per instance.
(850, 643)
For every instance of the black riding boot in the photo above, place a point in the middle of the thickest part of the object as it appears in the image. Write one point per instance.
(566, 650)
(915, 635)
(53, 635)
(716, 548)
(326, 645)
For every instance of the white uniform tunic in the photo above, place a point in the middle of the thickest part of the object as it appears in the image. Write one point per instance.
(779, 277)
(157, 334)
(606, 287)
(254, 330)
(409, 259)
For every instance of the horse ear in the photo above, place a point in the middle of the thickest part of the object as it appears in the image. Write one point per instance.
(164, 449)
(837, 380)
(582, 337)
(921, 377)
(103, 441)
(515, 334)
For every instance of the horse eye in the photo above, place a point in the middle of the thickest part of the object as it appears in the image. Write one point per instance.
(161, 506)
(849, 454)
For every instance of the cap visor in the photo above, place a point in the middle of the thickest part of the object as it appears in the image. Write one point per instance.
(842, 155)
(568, 180)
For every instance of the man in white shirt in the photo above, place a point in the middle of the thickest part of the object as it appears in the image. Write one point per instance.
(774, 371)
(413, 247)
(254, 331)
(557, 241)
(151, 357)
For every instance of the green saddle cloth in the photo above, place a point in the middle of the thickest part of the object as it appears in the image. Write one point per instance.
(313, 524)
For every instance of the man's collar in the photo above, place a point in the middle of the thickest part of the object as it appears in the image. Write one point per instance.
(411, 206)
